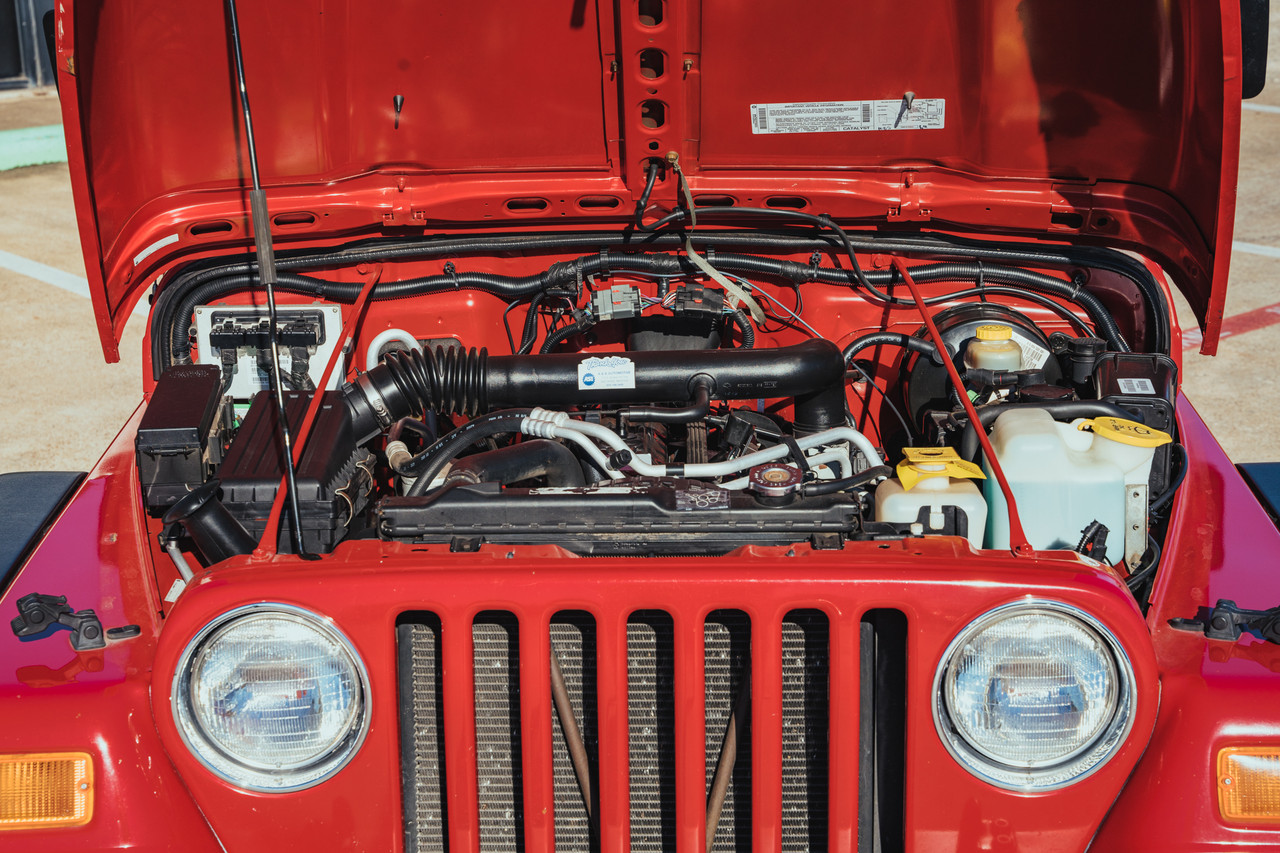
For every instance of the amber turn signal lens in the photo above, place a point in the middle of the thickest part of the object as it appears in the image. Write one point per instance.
(45, 790)
(1249, 784)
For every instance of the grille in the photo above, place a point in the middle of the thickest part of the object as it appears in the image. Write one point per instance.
(531, 783)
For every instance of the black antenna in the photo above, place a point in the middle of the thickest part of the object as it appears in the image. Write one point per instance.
(267, 275)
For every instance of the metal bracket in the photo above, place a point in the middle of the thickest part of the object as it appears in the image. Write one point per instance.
(37, 613)
(1226, 621)
(1135, 524)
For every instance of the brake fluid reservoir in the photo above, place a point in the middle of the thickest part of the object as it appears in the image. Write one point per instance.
(1065, 476)
(993, 348)
(933, 478)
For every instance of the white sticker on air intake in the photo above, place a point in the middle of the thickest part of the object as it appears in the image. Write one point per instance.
(606, 374)
(1033, 355)
(846, 116)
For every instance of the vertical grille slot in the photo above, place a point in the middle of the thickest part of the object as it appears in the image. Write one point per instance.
(651, 730)
(573, 640)
(727, 686)
(805, 693)
(422, 734)
(499, 773)
(882, 714)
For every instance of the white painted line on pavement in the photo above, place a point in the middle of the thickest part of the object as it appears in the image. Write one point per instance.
(1261, 108)
(1255, 249)
(50, 275)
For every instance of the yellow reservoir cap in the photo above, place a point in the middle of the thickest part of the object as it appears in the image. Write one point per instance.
(43, 790)
(924, 462)
(1125, 432)
(1249, 784)
(994, 332)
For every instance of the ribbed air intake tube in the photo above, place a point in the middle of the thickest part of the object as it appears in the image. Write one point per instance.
(467, 383)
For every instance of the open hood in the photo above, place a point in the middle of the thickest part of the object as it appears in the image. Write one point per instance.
(1098, 122)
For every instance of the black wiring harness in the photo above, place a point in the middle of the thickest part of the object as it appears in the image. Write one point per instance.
(630, 251)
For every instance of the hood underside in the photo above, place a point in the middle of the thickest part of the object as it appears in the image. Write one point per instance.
(1106, 123)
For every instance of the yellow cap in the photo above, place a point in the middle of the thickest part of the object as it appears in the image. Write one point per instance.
(1249, 784)
(993, 332)
(922, 463)
(43, 790)
(1126, 432)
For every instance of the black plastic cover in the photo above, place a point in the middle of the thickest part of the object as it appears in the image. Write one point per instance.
(633, 517)
(174, 433)
(1143, 384)
(331, 463)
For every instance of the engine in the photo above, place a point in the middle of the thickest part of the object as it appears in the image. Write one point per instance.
(667, 413)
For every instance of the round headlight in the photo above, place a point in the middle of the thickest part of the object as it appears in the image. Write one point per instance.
(271, 698)
(1033, 696)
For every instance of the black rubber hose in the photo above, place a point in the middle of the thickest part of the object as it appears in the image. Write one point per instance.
(857, 481)
(643, 203)
(695, 411)
(170, 321)
(452, 381)
(1058, 409)
(530, 335)
(369, 251)
(668, 264)
(538, 457)
(559, 335)
(894, 339)
(430, 462)
(1159, 503)
(745, 330)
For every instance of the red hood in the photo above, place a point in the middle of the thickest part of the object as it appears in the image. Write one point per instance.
(1112, 123)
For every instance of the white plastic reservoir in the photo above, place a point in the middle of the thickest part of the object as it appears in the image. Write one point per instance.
(933, 478)
(1065, 476)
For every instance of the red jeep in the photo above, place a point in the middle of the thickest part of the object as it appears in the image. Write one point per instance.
(651, 426)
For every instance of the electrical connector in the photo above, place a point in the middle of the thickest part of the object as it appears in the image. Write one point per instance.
(620, 302)
(696, 300)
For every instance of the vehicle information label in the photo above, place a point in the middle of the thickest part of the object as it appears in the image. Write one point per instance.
(1137, 386)
(1033, 355)
(604, 374)
(846, 116)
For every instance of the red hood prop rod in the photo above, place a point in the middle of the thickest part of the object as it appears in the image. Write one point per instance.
(1017, 538)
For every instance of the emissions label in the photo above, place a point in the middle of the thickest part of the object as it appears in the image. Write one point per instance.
(846, 116)
(606, 374)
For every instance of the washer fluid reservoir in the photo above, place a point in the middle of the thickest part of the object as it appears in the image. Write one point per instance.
(933, 477)
(1065, 476)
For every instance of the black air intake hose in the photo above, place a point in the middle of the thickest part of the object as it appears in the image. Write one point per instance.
(456, 382)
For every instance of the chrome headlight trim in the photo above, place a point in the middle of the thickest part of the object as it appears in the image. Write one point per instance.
(1037, 777)
(252, 776)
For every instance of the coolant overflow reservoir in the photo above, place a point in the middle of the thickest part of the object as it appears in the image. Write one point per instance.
(993, 348)
(1065, 476)
(933, 477)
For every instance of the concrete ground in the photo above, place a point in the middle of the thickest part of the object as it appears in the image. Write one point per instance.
(64, 404)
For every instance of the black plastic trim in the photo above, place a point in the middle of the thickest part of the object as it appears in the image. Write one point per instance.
(1264, 479)
(29, 502)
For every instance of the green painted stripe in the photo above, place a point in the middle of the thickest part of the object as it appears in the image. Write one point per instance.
(31, 146)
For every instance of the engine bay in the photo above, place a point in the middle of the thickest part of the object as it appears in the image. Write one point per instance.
(625, 393)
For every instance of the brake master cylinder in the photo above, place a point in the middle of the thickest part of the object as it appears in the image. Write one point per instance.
(1065, 476)
(993, 348)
